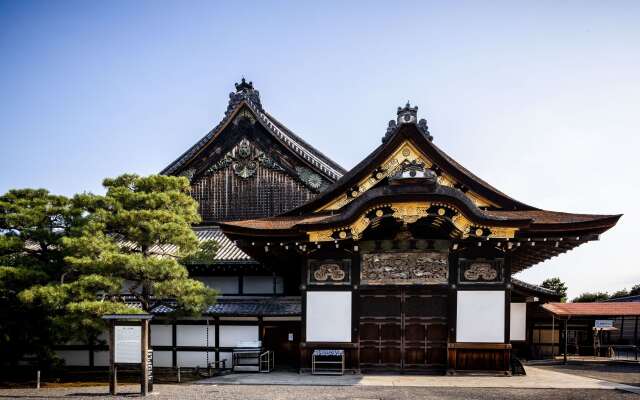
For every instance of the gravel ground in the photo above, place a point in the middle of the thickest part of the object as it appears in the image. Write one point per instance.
(628, 374)
(254, 392)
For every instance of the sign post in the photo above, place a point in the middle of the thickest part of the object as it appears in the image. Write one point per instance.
(129, 345)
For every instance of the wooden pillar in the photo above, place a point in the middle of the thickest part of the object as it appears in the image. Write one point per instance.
(144, 378)
(566, 335)
(174, 344)
(553, 336)
(113, 371)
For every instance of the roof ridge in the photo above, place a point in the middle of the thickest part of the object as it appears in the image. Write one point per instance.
(292, 141)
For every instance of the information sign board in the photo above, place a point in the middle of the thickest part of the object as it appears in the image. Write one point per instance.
(127, 344)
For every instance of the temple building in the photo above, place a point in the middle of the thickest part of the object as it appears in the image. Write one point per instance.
(403, 263)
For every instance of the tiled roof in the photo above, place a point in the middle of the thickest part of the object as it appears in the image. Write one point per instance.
(610, 309)
(536, 216)
(227, 252)
(275, 223)
(276, 128)
(254, 307)
(549, 217)
(532, 287)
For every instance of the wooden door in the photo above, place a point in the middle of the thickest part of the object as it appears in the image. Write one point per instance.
(283, 338)
(403, 329)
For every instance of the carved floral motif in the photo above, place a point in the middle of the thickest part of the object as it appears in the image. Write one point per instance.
(331, 272)
(404, 268)
(480, 270)
(244, 160)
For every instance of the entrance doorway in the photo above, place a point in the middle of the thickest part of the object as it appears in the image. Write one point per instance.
(403, 329)
(283, 338)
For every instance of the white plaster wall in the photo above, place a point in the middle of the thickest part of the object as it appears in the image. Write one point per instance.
(518, 321)
(480, 316)
(261, 284)
(226, 356)
(161, 335)
(194, 359)
(328, 316)
(162, 359)
(225, 284)
(230, 335)
(195, 335)
(74, 358)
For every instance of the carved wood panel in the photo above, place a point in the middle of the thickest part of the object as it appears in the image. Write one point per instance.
(410, 268)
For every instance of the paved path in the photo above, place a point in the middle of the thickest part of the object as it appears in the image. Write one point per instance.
(536, 378)
(258, 392)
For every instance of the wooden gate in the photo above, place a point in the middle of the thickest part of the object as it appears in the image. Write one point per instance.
(403, 329)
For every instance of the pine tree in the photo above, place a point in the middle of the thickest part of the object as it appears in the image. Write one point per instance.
(32, 225)
(133, 237)
(557, 286)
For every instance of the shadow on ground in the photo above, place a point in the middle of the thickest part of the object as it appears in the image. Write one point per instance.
(628, 374)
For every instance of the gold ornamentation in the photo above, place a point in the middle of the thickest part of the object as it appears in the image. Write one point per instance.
(485, 271)
(405, 151)
(331, 272)
(441, 211)
(426, 268)
(342, 234)
(409, 213)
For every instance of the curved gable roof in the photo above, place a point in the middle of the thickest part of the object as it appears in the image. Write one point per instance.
(248, 97)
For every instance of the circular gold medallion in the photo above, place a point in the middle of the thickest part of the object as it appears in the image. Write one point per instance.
(379, 213)
(441, 211)
(342, 234)
(354, 193)
(405, 152)
(479, 232)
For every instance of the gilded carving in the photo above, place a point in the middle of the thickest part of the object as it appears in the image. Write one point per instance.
(332, 272)
(480, 271)
(484, 271)
(417, 268)
(409, 213)
(406, 152)
(329, 272)
(244, 161)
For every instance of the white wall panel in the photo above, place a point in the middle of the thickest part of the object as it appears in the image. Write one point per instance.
(161, 335)
(518, 321)
(261, 284)
(226, 356)
(225, 284)
(194, 359)
(74, 358)
(480, 316)
(195, 335)
(230, 335)
(162, 359)
(101, 358)
(328, 317)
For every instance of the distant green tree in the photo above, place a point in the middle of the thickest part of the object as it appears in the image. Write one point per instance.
(557, 286)
(635, 290)
(134, 237)
(591, 297)
(33, 223)
(620, 293)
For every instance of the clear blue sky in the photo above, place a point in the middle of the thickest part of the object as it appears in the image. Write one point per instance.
(539, 98)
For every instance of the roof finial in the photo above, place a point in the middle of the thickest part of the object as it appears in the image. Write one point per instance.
(244, 85)
(244, 91)
(407, 114)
